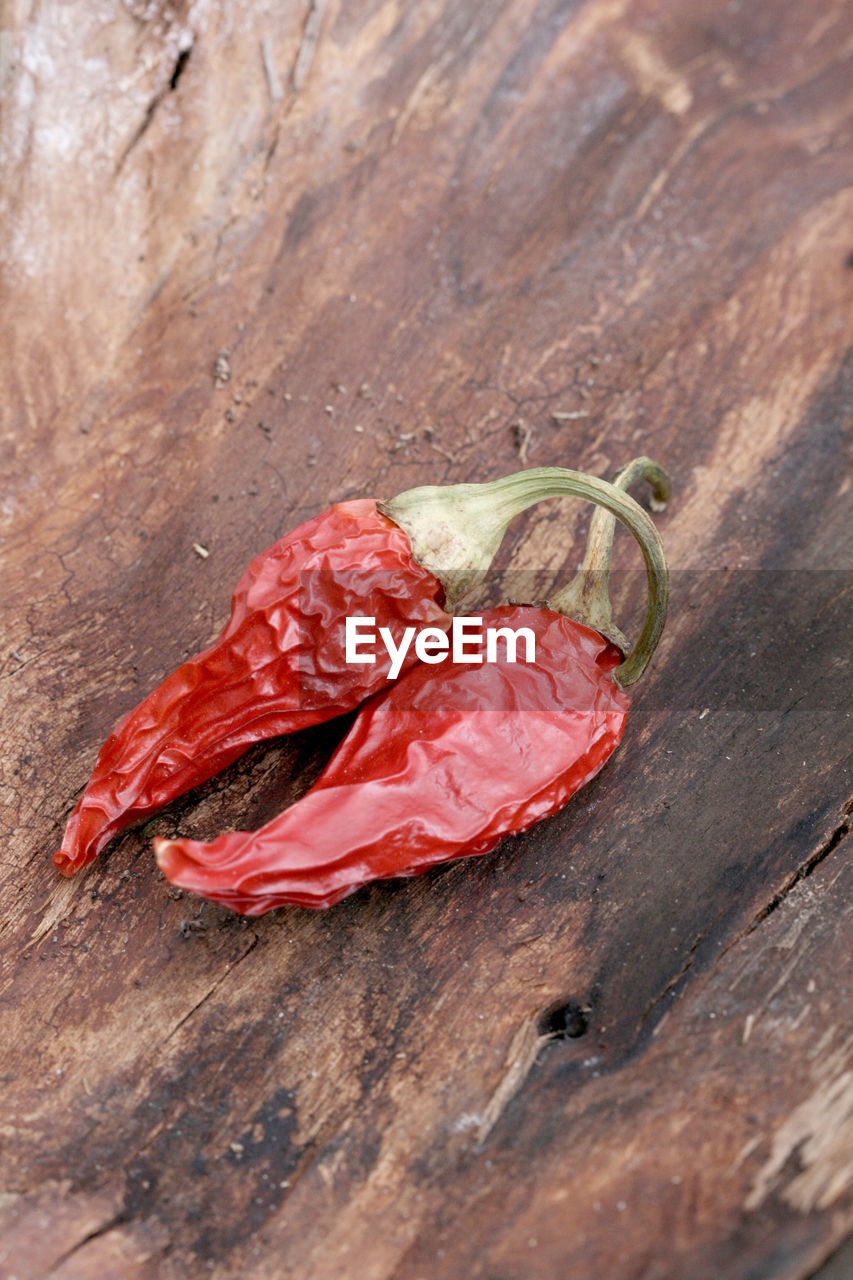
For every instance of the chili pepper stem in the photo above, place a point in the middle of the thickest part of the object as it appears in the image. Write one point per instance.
(456, 530)
(587, 596)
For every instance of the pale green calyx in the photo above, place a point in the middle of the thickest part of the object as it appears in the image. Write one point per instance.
(455, 532)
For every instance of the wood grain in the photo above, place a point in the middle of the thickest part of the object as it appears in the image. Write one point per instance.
(260, 257)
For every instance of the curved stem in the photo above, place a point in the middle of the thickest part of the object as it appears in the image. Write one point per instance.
(587, 596)
(455, 530)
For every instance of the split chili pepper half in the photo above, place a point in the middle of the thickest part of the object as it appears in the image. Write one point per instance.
(279, 664)
(445, 764)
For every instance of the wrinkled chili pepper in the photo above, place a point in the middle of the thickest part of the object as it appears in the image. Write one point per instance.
(279, 664)
(446, 764)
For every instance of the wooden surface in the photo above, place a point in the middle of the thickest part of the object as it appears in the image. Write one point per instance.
(406, 236)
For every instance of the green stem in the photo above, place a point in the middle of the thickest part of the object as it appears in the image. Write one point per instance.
(455, 530)
(587, 596)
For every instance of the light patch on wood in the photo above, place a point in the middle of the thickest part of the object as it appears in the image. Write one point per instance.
(520, 1058)
(377, 28)
(308, 45)
(421, 97)
(591, 19)
(654, 75)
(539, 552)
(656, 186)
(570, 343)
(818, 1134)
(61, 903)
(747, 437)
(745, 1151)
(366, 46)
(821, 27)
(268, 58)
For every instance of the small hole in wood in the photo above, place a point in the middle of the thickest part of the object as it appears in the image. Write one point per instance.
(565, 1021)
(183, 59)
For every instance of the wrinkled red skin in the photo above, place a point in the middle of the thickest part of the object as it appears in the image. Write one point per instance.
(443, 764)
(279, 665)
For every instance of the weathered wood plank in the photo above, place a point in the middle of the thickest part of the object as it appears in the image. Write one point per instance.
(455, 221)
(722, 1148)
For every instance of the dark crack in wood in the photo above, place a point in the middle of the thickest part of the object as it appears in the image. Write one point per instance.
(807, 868)
(171, 85)
(115, 1221)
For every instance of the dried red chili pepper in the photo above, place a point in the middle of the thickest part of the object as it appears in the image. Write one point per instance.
(279, 665)
(440, 767)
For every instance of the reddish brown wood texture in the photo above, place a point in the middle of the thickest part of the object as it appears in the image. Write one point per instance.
(425, 241)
